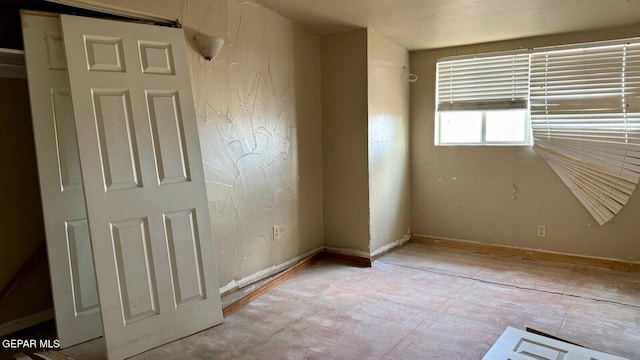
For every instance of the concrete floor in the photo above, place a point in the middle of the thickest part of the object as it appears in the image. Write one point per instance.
(419, 302)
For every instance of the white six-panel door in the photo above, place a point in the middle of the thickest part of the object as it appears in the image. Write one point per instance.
(144, 182)
(68, 246)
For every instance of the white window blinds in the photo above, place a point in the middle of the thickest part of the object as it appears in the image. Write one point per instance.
(486, 83)
(585, 116)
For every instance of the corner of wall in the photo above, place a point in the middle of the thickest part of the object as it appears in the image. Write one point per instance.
(388, 142)
(344, 140)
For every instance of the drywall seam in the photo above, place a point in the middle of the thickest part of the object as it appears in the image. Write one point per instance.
(344, 251)
(25, 322)
(259, 275)
(403, 240)
(540, 250)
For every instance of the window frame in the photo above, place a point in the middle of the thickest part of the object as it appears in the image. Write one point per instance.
(479, 102)
(528, 134)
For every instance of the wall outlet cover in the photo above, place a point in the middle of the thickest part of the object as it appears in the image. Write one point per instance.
(542, 231)
(277, 232)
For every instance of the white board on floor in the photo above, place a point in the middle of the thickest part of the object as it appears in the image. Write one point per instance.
(518, 344)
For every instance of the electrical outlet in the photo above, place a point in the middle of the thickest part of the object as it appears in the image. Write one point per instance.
(542, 231)
(277, 232)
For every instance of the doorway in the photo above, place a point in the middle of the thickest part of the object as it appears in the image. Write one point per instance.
(24, 275)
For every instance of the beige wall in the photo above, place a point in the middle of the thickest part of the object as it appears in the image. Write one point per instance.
(365, 132)
(259, 117)
(21, 224)
(344, 141)
(466, 192)
(389, 190)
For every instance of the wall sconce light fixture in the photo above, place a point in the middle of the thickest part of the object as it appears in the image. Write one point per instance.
(209, 46)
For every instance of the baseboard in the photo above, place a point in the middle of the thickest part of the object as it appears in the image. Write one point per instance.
(234, 285)
(347, 259)
(225, 292)
(291, 270)
(282, 272)
(384, 250)
(341, 255)
(531, 254)
(25, 322)
(270, 284)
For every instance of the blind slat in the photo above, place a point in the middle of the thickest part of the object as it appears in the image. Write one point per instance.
(583, 105)
(487, 83)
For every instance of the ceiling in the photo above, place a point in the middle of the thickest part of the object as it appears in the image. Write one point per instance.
(428, 24)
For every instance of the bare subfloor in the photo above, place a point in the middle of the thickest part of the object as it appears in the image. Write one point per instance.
(420, 302)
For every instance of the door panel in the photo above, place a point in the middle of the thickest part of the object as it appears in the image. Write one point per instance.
(168, 136)
(134, 266)
(66, 142)
(85, 292)
(68, 243)
(521, 345)
(144, 182)
(116, 139)
(185, 257)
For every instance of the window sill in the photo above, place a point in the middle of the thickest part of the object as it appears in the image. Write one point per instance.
(486, 144)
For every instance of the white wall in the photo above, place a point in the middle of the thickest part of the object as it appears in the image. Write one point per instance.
(259, 117)
(466, 192)
(388, 145)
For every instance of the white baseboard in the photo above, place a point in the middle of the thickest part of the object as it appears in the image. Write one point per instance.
(25, 322)
(257, 276)
(403, 240)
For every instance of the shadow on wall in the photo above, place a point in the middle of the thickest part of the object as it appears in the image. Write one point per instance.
(21, 219)
(308, 112)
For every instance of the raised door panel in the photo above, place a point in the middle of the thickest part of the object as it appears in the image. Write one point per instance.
(116, 139)
(518, 344)
(135, 269)
(144, 182)
(66, 141)
(185, 257)
(68, 242)
(83, 279)
(165, 119)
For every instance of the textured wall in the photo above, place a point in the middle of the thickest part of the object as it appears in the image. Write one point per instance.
(259, 117)
(344, 140)
(466, 192)
(21, 223)
(389, 190)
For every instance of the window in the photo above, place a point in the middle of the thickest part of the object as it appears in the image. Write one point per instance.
(498, 127)
(585, 109)
(579, 105)
(483, 101)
